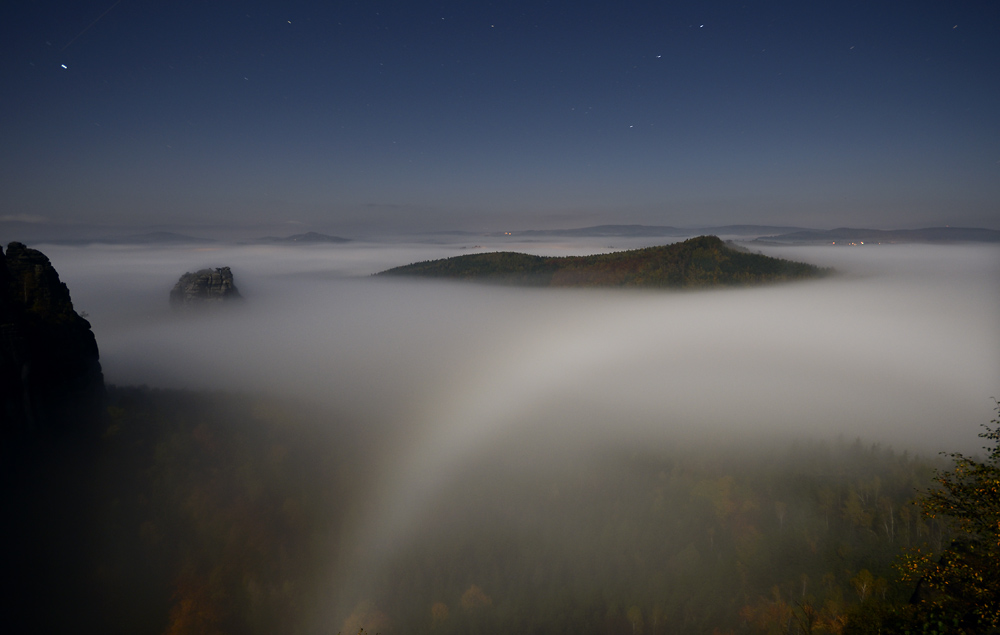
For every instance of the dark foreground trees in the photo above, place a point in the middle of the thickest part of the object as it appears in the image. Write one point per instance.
(959, 591)
(955, 587)
(226, 514)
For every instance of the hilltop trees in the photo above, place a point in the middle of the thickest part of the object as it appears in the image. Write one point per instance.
(705, 261)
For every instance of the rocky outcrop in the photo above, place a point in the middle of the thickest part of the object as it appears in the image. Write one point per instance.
(208, 286)
(50, 370)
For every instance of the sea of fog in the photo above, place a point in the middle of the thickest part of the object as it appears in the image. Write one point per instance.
(901, 346)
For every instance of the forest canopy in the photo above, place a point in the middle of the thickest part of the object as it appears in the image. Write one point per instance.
(960, 587)
(223, 513)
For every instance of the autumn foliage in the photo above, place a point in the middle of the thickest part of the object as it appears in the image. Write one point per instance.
(959, 586)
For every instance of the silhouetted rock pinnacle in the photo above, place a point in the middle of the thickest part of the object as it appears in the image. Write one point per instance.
(207, 286)
(50, 373)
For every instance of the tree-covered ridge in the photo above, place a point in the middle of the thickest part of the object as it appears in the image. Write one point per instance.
(705, 261)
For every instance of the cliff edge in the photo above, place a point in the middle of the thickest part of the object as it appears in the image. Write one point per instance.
(50, 370)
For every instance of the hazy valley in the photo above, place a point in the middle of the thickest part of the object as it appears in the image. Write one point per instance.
(903, 336)
(217, 418)
(417, 450)
(342, 451)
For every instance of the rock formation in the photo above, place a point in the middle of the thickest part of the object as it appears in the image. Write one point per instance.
(208, 286)
(50, 373)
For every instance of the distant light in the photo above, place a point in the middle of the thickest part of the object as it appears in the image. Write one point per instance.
(63, 65)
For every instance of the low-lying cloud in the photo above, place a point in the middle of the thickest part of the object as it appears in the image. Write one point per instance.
(902, 347)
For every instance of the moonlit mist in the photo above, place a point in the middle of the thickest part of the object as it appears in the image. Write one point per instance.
(900, 347)
(341, 452)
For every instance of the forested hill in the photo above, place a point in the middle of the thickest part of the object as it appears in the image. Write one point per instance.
(705, 261)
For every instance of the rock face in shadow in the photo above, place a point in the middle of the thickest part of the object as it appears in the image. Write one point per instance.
(204, 287)
(50, 370)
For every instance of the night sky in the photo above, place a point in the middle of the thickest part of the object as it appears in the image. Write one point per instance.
(354, 116)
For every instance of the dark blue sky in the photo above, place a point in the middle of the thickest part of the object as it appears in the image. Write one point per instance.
(475, 115)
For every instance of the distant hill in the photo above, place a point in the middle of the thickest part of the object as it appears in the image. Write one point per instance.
(306, 238)
(162, 238)
(750, 230)
(639, 231)
(604, 230)
(848, 235)
(149, 238)
(705, 261)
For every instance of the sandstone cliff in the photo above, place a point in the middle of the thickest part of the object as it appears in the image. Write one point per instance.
(50, 373)
(207, 286)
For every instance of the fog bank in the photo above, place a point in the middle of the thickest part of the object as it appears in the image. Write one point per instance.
(901, 347)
